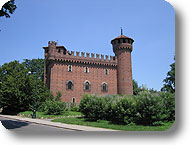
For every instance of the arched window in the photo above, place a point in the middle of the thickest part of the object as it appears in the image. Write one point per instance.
(104, 87)
(73, 100)
(86, 70)
(87, 86)
(69, 85)
(69, 68)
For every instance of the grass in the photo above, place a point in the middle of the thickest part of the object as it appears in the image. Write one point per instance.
(108, 125)
(43, 115)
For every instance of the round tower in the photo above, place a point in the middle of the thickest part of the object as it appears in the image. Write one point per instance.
(122, 47)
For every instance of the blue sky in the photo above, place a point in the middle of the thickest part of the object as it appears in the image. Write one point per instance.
(89, 26)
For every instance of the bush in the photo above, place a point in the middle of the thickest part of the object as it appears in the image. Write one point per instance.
(169, 104)
(54, 107)
(150, 109)
(92, 107)
(74, 107)
(144, 109)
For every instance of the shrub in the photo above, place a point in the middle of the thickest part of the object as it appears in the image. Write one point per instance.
(145, 109)
(150, 109)
(74, 107)
(169, 104)
(123, 110)
(54, 107)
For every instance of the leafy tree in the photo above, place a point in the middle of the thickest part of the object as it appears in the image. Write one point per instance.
(169, 81)
(8, 8)
(35, 65)
(136, 88)
(17, 88)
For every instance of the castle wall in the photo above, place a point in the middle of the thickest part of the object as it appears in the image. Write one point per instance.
(60, 75)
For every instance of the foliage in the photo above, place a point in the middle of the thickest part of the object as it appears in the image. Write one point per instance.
(169, 81)
(150, 109)
(169, 105)
(8, 8)
(58, 96)
(35, 66)
(136, 88)
(17, 88)
(43, 115)
(54, 107)
(74, 107)
(145, 109)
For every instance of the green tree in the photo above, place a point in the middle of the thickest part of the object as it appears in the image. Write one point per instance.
(169, 81)
(17, 88)
(35, 65)
(136, 88)
(8, 8)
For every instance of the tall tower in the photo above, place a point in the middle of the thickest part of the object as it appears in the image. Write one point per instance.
(122, 47)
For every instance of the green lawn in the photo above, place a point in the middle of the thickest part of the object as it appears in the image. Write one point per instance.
(108, 125)
(42, 115)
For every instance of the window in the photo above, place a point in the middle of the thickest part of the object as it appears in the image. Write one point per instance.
(87, 86)
(69, 68)
(86, 70)
(104, 87)
(106, 71)
(69, 85)
(73, 100)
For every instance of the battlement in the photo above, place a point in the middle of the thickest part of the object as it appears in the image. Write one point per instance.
(62, 54)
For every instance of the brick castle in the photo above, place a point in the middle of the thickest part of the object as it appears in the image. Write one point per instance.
(74, 73)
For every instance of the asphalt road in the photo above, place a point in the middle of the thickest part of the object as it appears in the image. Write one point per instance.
(16, 125)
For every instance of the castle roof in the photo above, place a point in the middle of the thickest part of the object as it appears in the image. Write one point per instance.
(122, 36)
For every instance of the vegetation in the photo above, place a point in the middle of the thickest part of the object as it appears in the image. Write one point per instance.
(43, 115)
(136, 88)
(169, 81)
(144, 109)
(17, 86)
(109, 125)
(8, 8)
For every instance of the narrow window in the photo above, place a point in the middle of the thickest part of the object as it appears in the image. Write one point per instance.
(69, 85)
(73, 100)
(86, 70)
(69, 68)
(87, 86)
(106, 71)
(104, 87)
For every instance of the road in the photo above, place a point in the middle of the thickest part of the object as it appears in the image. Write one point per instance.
(16, 125)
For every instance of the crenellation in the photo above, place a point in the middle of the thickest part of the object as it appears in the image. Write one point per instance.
(88, 55)
(102, 57)
(82, 54)
(97, 56)
(72, 53)
(77, 53)
(92, 55)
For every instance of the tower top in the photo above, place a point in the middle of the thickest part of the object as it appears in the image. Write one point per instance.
(121, 31)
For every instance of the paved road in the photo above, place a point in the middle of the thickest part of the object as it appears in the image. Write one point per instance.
(17, 125)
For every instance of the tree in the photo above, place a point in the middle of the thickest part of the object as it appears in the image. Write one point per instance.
(17, 88)
(169, 81)
(136, 88)
(8, 8)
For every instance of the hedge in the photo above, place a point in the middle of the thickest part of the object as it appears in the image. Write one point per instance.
(145, 108)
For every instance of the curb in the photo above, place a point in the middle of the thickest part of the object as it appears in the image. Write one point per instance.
(56, 124)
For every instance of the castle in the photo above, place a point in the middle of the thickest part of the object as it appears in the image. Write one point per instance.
(74, 73)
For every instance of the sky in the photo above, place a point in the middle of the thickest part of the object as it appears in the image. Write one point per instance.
(89, 26)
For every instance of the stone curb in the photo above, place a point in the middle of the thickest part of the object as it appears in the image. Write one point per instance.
(56, 124)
